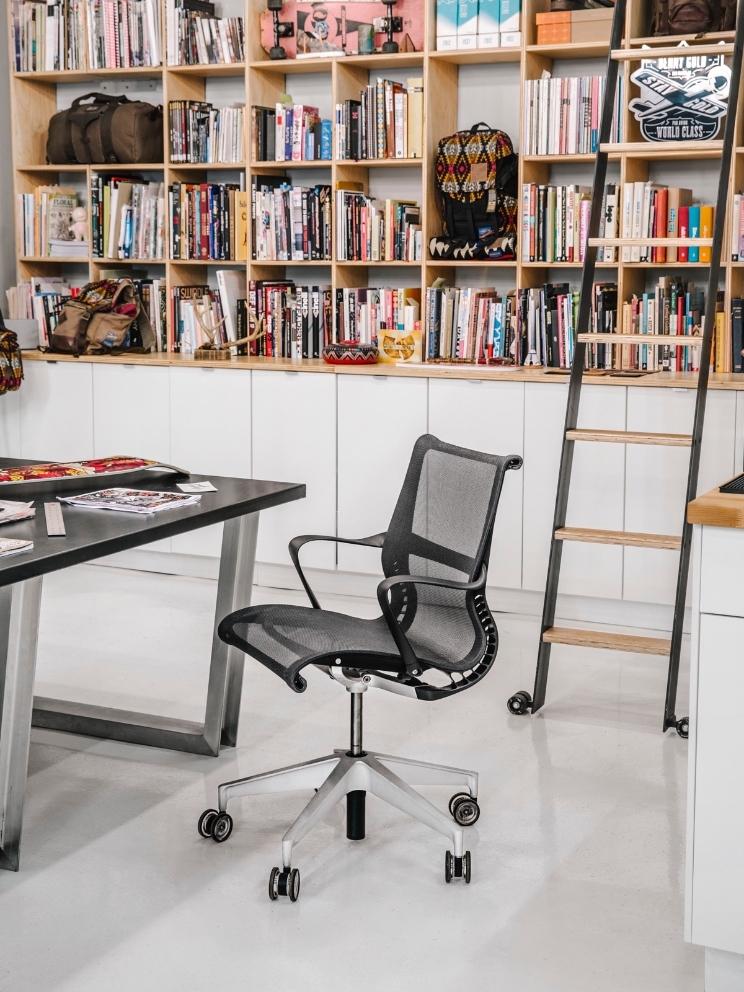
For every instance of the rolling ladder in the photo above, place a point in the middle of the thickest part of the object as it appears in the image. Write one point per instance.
(522, 702)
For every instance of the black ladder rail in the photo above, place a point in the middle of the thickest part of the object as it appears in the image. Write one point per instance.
(729, 134)
(522, 702)
(577, 369)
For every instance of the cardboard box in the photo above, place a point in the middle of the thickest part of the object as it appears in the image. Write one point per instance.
(553, 17)
(591, 25)
(554, 34)
(467, 24)
(509, 17)
(511, 39)
(447, 25)
(488, 23)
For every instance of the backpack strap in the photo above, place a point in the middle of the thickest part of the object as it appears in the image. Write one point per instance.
(107, 125)
(481, 124)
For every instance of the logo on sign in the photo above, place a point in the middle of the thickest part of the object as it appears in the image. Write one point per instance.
(682, 98)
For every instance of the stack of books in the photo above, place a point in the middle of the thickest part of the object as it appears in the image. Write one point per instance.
(195, 36)
(638, 210)
(555, 222)
(296, 319)
(290, 223)
(127, 217)
(387, 121)
(208, 221)
(43, 221)
(674, 307)
(562, 115)
(152, 293)
(369, 230)
(200, 133)
(123, 33)
(48, 36)
(368, 315)
(289, 132)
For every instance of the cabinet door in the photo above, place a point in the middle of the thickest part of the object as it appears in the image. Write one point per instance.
(216, 440)
(294, 440)
(379, 420)
(10, 424)
(488, 416)
(595, 496)
(718, 867)
(56, 401)
(656, 478)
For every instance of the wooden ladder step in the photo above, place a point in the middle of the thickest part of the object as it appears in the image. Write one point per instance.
(630, 437)
(588, 535)
(668, 340)
(604, 639)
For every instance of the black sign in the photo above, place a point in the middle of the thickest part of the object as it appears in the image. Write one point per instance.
(682, 98)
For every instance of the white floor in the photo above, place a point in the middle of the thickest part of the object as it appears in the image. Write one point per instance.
(577, 858)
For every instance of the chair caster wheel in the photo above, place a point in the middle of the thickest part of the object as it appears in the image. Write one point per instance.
(284, 883)
(683, 727)
(457, 867)
(520, 703)
(464, 809)
(220, 827)
(205, 822)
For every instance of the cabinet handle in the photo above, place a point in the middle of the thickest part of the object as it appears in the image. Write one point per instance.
(680, 389)
(380, 378)
(475, 382)
(51, 361)
(290, 372)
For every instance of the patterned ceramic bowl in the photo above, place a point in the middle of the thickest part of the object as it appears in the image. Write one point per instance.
(350, 353)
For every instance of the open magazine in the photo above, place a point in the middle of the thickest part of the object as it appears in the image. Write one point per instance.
(130, 500)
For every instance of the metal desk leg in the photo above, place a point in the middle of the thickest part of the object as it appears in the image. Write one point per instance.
(234, 588)
(225, 673)
(19, 625)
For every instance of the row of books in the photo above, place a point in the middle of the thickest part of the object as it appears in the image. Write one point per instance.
(468, 324)
(674, 307)
(387, 121)
(369, 230)
(555, 222)
(196, 36)
(388, 317)
(289, 132)
(200, 132)
(562, 115)
(127, 217)
(49, 36)
(290, 223)
(43, 222)
(123, 33)
(208, 221)
(737, 229)
(202, 315)
(296, 320)
(646, 209)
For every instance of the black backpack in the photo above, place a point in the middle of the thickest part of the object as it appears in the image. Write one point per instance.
(476, 177)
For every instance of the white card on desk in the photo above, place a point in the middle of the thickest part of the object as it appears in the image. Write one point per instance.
(196, 487)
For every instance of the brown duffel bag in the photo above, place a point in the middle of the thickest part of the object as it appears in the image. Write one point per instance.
(693, 16)
(111, 129)
(99, 320)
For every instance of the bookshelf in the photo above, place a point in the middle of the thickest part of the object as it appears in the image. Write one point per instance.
(35, 97)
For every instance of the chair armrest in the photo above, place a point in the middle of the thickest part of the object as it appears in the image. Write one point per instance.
(375, 541)
(413, 665)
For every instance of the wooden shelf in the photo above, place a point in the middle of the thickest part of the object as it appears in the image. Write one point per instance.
(478, 263)
(89, 75)
(211, 71)
(276, 262)
(666, 150)
(359, 265)
(571, 50)
(205, 166)
(380, 163)
(478, 56)
(67, 259)
(321, 163)
(636, 54)
(200, 261)
(128, 261)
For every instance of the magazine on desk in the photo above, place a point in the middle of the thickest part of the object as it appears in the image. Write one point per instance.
(130, 500)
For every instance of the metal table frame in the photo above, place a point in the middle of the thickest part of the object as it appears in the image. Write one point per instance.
(20, 607)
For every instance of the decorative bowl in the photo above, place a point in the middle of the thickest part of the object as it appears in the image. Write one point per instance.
(350, 353)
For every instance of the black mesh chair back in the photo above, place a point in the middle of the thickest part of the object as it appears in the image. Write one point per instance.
(442, 528)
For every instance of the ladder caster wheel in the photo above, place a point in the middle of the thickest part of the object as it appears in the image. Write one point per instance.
(683, 727)
(205, 822)
(464, 809)
(457, 867)
(220, 827)
(284, 883)
(520, 703)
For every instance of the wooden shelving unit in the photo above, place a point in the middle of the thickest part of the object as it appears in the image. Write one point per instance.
(34, 101)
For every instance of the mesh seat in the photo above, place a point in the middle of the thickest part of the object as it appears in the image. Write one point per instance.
(437, 543)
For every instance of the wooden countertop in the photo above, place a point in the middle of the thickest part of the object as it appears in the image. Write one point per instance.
(717, 509)
(675, 380)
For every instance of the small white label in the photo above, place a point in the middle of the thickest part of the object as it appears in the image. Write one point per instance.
(196, 487)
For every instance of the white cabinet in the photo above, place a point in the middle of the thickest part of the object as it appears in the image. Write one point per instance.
(131, 412)
(596, 494)
(10, 424)
(656, 479)
(210, 434)
(56, 401)
(488, 416)
(294, 440)
(379, 419)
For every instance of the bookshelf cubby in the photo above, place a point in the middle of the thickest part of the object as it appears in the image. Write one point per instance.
(35, 97)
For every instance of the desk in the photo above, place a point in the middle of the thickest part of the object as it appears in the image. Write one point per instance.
(91, 534)
(714, 889)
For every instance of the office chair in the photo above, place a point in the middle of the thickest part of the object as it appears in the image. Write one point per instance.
(435, 623)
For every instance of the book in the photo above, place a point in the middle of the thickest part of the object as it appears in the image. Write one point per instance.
(706, 230)
(200, 132)
(11, 546)
(415, 116)
(232, 287)
(561, 115)
(123, 36)
(737, 334)
(693, 254)
(195, 36)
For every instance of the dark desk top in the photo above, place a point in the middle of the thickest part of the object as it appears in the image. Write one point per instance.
(94, 533)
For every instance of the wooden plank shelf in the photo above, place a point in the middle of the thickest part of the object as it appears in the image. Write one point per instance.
(670, 51)
(605, 639)
(630, 539)
(630, 437)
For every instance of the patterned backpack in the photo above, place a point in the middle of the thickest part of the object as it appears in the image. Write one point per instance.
(11, 366)
(476, 176)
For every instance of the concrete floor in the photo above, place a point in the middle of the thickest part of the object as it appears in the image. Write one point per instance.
(577, 859)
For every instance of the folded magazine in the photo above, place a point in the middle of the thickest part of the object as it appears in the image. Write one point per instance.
(130, 500)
